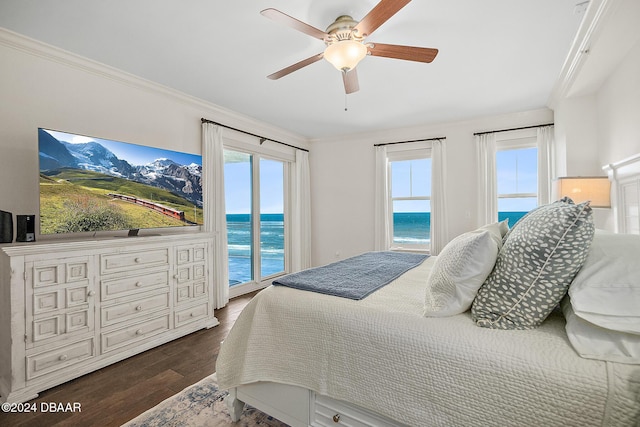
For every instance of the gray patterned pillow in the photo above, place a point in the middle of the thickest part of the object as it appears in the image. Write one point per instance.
(535, 266)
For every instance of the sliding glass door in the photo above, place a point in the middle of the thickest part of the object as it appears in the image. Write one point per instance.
(254, 199)
(238, 188)
(271, 217)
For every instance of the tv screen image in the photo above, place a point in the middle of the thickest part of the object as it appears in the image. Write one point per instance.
(92, 184)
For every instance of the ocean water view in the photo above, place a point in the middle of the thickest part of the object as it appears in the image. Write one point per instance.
(240, 246)
(415, 227)
(408, 228)
(513, 217)
(412, 228)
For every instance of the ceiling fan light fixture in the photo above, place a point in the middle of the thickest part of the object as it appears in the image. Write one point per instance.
(345, 54)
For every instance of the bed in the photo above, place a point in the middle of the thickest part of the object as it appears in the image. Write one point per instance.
(402, 357)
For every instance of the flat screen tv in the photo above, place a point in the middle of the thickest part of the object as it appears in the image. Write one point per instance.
(91, 184)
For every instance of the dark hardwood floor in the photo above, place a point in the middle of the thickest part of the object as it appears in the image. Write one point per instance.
(117, 393)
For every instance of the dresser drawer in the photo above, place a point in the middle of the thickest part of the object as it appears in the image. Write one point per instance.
(134, 333)
(131, 261)
(59, 358)
(329, 412)
(122, 312)
(191, 314)
(133, 284)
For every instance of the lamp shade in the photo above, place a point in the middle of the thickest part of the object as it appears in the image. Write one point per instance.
(596, 189)
(345, 54)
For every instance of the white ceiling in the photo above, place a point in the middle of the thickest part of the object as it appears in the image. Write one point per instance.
(496, 56)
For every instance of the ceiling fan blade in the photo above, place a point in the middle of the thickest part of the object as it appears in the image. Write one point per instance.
(378, 16)
(408, 53)
(292, 22)
(291, 68)
(350, 80)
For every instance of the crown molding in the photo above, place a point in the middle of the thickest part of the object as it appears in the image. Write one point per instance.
(207, 109)
(587, 34)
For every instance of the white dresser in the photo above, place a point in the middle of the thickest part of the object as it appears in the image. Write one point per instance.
(69, 308)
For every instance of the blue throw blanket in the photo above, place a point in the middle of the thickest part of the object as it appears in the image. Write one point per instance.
(354, 277)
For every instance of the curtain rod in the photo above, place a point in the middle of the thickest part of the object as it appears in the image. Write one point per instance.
(507, 130)
(261, 138)
(413, 140)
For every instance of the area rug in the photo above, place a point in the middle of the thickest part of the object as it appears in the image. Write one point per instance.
(200, 405)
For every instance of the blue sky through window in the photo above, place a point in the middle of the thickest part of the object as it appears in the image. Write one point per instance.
(271, 186)
(411, 178)
(237, 183)
(517, 173)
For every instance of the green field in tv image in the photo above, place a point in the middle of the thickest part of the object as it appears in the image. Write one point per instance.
(76, 200)
(90, 184)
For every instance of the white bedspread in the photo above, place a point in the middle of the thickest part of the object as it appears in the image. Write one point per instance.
(380, 353)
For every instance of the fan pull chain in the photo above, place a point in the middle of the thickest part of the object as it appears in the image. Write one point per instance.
(345, 102)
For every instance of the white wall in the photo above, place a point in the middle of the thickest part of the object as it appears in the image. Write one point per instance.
(343, 172)
(602, 127)
(576, 131)
(46, 87)
(618, 109)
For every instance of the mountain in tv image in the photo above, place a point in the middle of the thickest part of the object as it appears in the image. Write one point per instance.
(84, 186)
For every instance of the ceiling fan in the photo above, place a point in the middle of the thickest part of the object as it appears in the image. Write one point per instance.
(345, 42)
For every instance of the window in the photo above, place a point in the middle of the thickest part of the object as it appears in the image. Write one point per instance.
(517, 178)
(410, 199)
(255, 205)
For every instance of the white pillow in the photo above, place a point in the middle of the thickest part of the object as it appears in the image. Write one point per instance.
(503, 226)
(497, 230)
(459, 271)
(593, 342)
(606, 291)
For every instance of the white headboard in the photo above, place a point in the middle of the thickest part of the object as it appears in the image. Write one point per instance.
(625, 194)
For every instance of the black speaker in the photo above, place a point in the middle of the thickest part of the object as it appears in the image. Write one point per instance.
(26, 228)
(6, 227)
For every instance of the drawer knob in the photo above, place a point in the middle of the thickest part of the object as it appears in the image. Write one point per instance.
(336, 418)
(139, 332)
(91, 293)
(191, 314)
(138, 308)
(175, 276)
(137, 260)
(138, 284)
(63, 357)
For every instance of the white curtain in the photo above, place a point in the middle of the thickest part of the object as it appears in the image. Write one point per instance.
(439, 223)
(487, 189)
(546, 167)
(382, 228)
(215, 219)
(301, 213)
